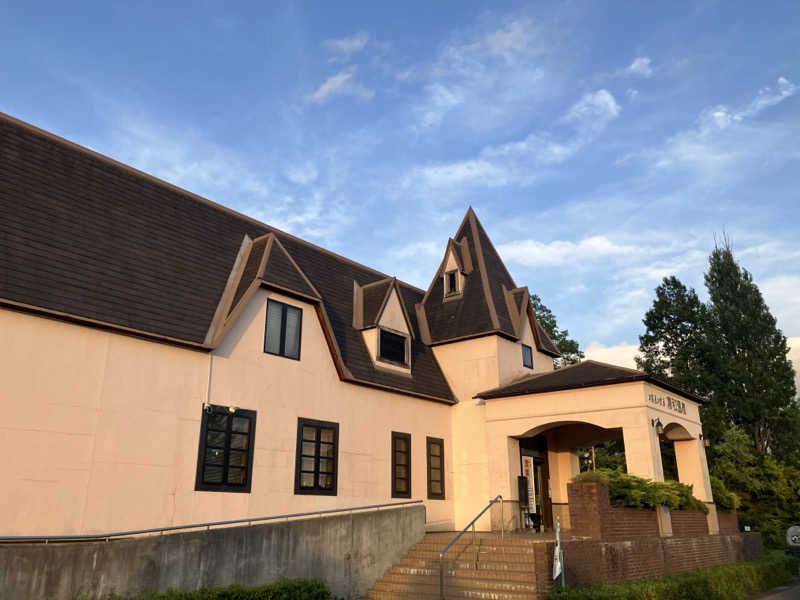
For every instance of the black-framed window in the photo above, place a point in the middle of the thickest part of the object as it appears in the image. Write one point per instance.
(435, 451)
(316, 465)
(401, 465)
(225, 454)
(527, 356)
(282, 332)
(451, 282)
(392, 347)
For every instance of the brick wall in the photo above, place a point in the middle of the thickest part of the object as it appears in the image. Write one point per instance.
(631, 523)
(728, 521)
(688, 523)
(587, 562)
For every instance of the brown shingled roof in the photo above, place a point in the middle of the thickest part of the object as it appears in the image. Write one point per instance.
(88, 239)
(589, 373)
(483, 307)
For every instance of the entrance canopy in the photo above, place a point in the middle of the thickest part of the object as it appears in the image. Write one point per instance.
(584, 404)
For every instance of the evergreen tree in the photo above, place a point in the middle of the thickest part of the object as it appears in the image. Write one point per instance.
(751, 377)
(675, 347)
(568, 347)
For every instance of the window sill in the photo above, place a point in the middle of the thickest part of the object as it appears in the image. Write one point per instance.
(310, 492)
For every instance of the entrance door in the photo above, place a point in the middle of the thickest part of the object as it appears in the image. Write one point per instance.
(533, 459)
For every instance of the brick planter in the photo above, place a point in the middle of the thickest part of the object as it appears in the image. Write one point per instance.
(592, 516)
(689, 523)
(728, 522)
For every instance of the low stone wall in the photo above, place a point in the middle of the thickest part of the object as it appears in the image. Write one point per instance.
(348, 552)
(688, 523)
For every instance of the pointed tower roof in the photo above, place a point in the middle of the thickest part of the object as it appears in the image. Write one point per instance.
(490, 301)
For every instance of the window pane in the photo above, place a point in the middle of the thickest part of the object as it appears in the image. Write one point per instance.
(325, 465)
(436, 462)
(241, 424)
(326, 435)
(237, 459)
(400, 485)
(212, 474)
(214, 456)
(218, 422)
(309, 448)
(272, 343)
(292, 339)
(236, 476)
(307, 480)
(326, 450)
(326, 482)
(240, 441)
(393, 347)
(435, 450)
(310, 433)
(401, 444)
(215, 438)
(401, 471)
(400, 458)
(436, 488)
(527, 356)
(436, 475)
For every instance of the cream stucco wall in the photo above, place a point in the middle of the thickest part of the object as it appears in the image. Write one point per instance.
(510, 357)
(101, 430)
(472, 366)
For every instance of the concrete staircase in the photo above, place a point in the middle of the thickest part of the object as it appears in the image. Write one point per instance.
(510, 568)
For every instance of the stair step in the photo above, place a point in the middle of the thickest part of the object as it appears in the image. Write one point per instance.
(433, 571)
(432, 590)
(391, 579)
(505, 570)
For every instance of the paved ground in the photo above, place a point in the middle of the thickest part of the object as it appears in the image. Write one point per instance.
(785, 592)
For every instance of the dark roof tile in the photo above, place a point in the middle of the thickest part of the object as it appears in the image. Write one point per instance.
(588, 373)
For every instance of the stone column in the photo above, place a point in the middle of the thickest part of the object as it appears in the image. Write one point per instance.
(642, 451)
(693, 470)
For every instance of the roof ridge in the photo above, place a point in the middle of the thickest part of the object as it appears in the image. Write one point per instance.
(487, 291)
(176, 188)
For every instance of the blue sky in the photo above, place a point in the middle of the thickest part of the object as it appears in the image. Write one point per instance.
(602, 144)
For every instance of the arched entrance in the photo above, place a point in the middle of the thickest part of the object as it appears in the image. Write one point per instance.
(548, 459)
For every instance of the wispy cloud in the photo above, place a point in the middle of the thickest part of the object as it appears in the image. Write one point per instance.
(533, 253)
(482, 74)
(727, 142)
(518, 162)
(343, 49)
(640, 67)
(342, 83)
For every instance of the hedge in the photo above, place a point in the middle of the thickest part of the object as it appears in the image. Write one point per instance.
(629, 490)
(735, 581)
(284, 589)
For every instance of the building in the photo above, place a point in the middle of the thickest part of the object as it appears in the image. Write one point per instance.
(166, 360)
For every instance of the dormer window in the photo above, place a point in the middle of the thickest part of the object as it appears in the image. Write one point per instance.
(451, 282)
(393, 347)
(527, 356)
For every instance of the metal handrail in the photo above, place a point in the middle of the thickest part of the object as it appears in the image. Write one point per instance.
(474, 545)
(207, 525)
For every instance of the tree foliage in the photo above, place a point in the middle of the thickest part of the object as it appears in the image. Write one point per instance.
(769, 489)
(569, 348)
(729, 351)
(751, 378)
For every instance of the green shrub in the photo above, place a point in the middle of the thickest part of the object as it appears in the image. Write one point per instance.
(632, 491)
(284, 589)
(735, 581)
(724, 498)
